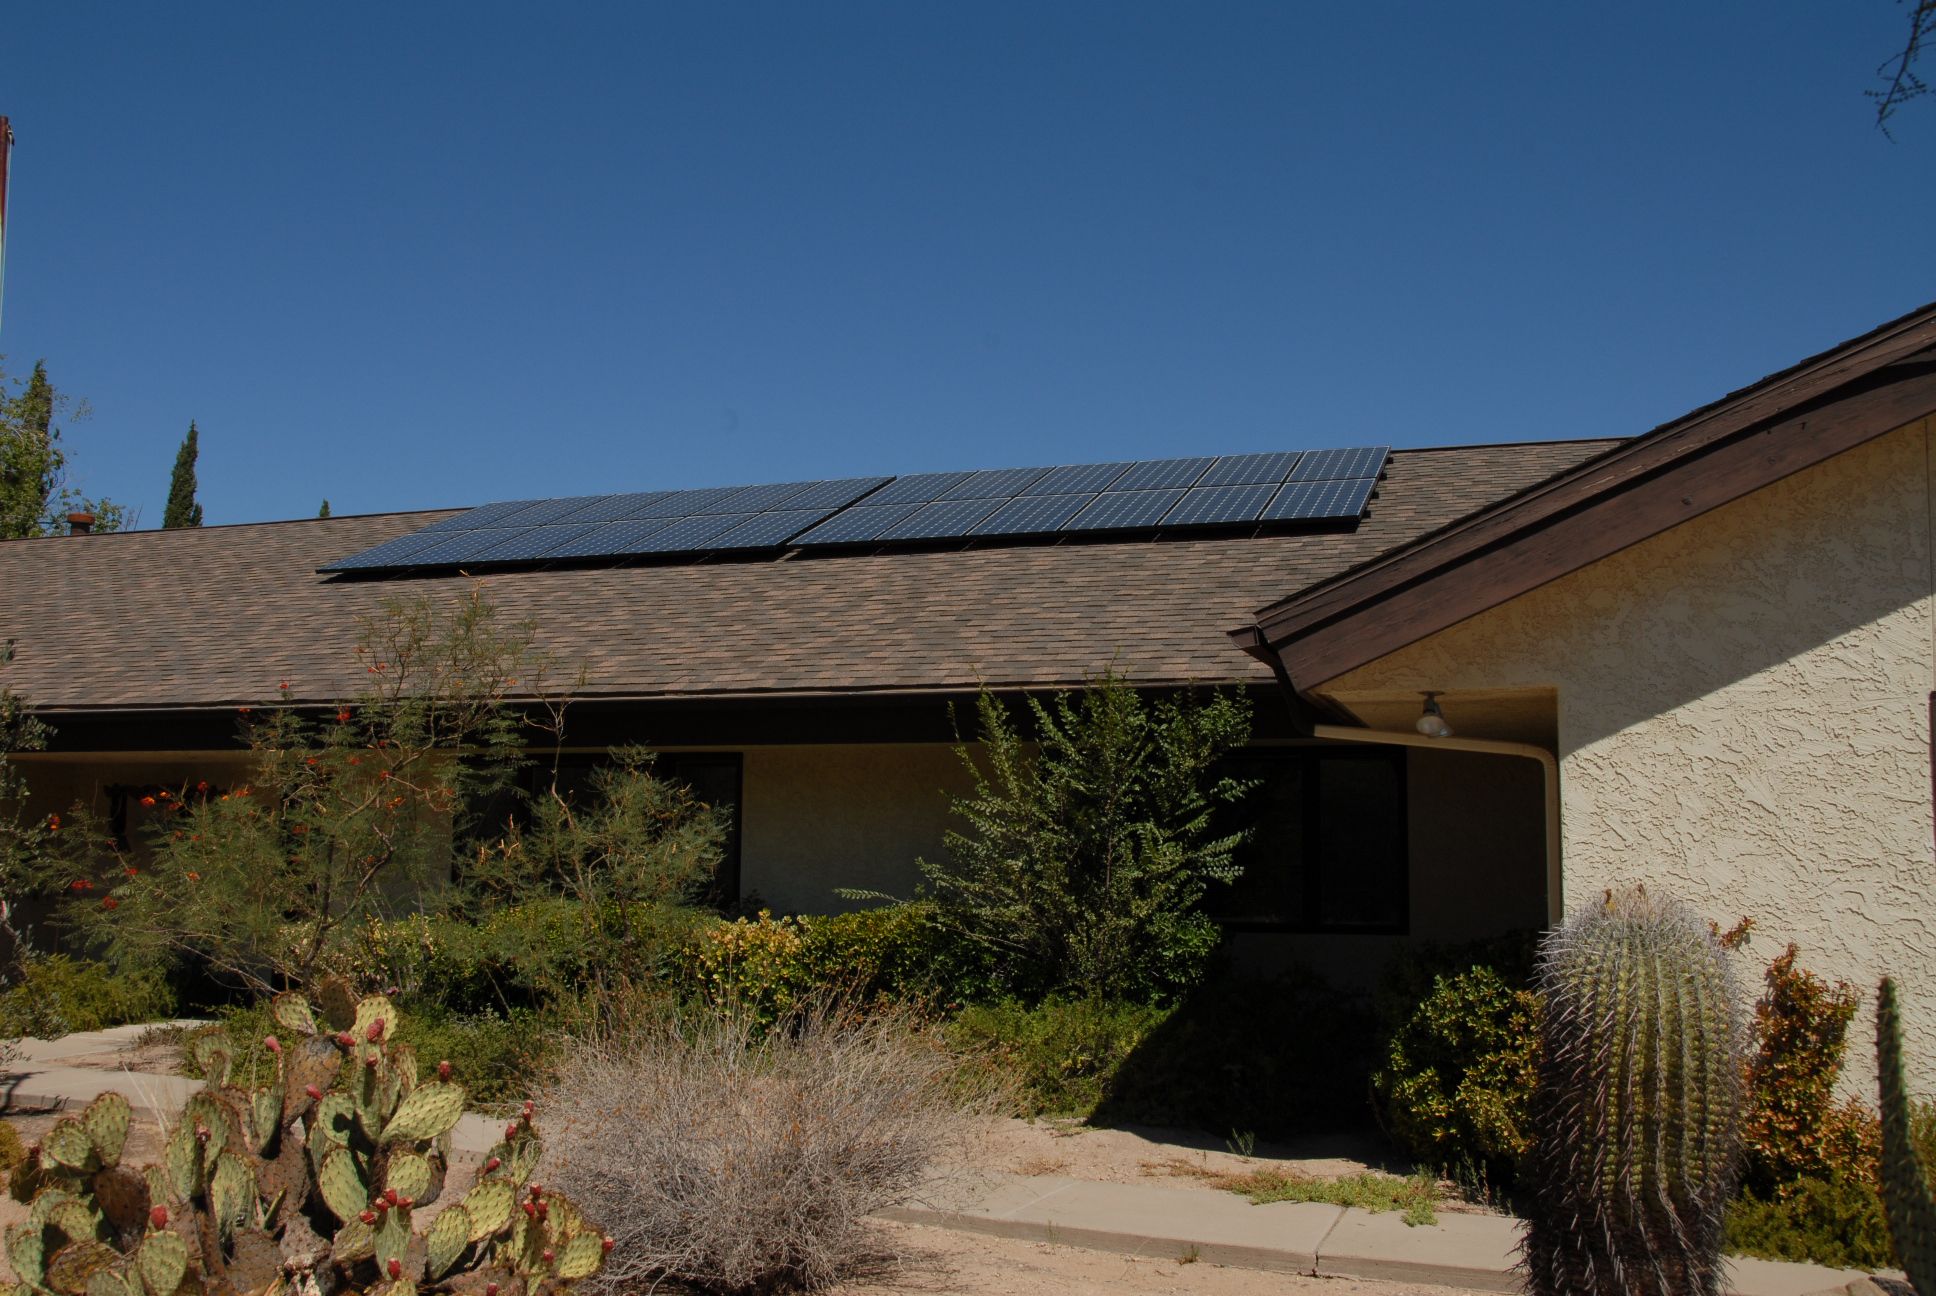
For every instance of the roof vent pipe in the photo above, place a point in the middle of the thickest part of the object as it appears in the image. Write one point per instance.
(80, 523)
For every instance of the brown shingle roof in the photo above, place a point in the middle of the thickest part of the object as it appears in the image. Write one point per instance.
(220, 615)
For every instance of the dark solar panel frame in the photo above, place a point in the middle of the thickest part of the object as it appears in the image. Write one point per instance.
(858, 525)
(1329, 465)
(920, 488)
(391, 553)
(941, 520)
(757, 499)
(1077, 479)
(836, 493)
(533, 542)
(1250, 469)
(1125, 510)
(1220, 505)
(458, 547)
(691, 503)
(996, 483)
(1032, 515)
(693, 532)
(552, 510)
(1155, 474)
(1338, 497)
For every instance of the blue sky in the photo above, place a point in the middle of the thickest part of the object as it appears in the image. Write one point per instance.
(418, 255)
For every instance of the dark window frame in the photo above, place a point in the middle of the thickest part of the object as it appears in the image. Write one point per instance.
(1310, 830)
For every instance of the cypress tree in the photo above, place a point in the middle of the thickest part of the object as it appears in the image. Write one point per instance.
(182, 510)
(323, 512)
(30, 457)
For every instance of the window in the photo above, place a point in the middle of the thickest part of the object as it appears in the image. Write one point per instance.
(1327, 849)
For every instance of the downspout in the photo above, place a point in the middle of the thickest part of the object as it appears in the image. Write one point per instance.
(1549, 769)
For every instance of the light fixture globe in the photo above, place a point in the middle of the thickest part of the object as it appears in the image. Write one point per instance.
(1431, 721)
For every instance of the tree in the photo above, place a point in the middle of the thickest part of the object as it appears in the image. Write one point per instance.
(323, 512)
(23, 840)
(1898, 73)
(1086, 851)
(34, 495)
(182, 510)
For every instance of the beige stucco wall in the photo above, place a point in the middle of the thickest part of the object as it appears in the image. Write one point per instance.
(1743, 717)
(855, 816)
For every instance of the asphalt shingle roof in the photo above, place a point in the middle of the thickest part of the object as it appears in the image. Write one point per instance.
(220, 615)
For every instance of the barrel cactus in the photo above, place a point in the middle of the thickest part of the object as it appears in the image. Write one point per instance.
(306, 1187)
(1636, 1118)
(1906, 1197)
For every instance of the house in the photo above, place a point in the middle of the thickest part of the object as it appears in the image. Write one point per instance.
(1700, 658)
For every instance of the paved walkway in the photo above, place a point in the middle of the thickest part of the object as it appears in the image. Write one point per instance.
(1471, 1251)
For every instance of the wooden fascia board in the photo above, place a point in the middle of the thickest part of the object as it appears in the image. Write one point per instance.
(1609, 516)
(1611, 472)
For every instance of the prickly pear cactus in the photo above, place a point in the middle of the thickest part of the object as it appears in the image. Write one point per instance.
(1636, 1118)
(1906, 1197)
(306, 1187)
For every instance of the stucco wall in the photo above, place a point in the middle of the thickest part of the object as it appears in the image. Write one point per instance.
(820, 817)
(1743, 717)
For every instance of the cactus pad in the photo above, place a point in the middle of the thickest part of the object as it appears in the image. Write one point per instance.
(293, 1013)
(182, 1159)
(370, 1011)
(427, 1113)
(162, 1262)
(26, 1253)
(354, 1241)
(231, 1193)
(122, 1194)
(68, 1144)
(580, 1257)
(213, 1057)
(342, 1186)
(409, 1174)
(74, 1219)
(206, 1112)
(106, 1120)
(257, 1264)
(75, 1263)
(449, 1234)
(112, 1281)
(489, 1206)
(392, 1240)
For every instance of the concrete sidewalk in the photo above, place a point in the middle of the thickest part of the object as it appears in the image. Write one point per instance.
(1471, 1251)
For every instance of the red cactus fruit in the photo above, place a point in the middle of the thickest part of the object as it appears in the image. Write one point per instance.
(493, 1164)
(511, 1130)
(537, 1191)
(158, 1217)
(443, 1070)
(606, 1245)
(314, 1091)
(375, 1033)
(490, 1289)
(345, 1040)
(372, 1061)
(530, 1211)
(271, 1043)
(396, 1268)
(368, 1216)
(549, 1255)
(390, 1196)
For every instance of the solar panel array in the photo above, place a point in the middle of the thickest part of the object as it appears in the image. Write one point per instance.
(1146, 495)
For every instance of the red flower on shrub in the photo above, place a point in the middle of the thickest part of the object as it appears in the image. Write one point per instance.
(343, 716)
(53, 823)
(147, 800)
(194, 877)
(131, 871)
(80, 884)
(202, 786)
(109, 902)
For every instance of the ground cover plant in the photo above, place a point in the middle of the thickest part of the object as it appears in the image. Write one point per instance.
(734, 1157)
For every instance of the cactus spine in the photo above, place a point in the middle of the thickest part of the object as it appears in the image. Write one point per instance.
(1906, 1197)
(1636, 1120)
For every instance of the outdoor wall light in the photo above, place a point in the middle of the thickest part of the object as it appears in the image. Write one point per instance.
(1431, 722)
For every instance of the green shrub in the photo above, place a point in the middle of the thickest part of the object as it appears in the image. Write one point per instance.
(12, 1150)
(1458, 1075)
(57, 995)
(1795, 1131)
(1278, 1057)
(1064, 1053)
(1836, 1222)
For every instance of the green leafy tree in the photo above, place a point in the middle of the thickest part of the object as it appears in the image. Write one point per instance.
(345, 819)
(1086, 848)
(323, 512)
(183, 510)
(34, 495)
(23, 839)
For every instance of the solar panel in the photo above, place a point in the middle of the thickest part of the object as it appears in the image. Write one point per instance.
(391, 552)
(918, 489)
(1116, 510)
(1215, 505)
(837, 493)
(688, 503)
(690, 532)
(609, 538)
(540, 512)
(1338, 498)
(757, 499)
(1032, 515)
(533, 542)
(461, 546)
(613, 508)
(995, 483)
(1249, 469)
(943, 519)
(1152, 474)
(1076, 479)
(859, 524)
(762, 530)
(1327, 465)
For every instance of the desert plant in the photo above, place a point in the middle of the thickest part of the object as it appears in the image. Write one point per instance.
(1636, 1120)
(1086, 849)
(308, 1183)
(52, 994)
(1906, 1194)
(1793, 1129)
(731, 1158)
